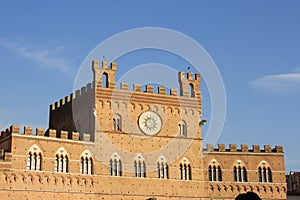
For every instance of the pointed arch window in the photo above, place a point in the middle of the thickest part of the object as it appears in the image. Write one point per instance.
(239, 172)
(139, 167)
(264, 172)
(182, 129)
(162, 168)
(34, 159)
(115, 165)
(185, 170)
(117, 122)
(61, 161)
(86, 163)
(214, 171)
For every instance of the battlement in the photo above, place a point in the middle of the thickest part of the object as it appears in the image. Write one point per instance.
(189, 76)
(244, 148)
(52, 133)
(73, 96)
(109, 75)
(95, 65)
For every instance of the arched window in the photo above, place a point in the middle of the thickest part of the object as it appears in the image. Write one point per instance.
(239, 172)
(139, 166)
(191, 90)
(182, 129)
(260, 174)
(105, 80)
(162, 168)
(185, 170)
(115, 165)
(34, 159)
(210, 173)
(219, 174)
(117, 123)
(86, 164)
(62, 161)
(264, 172)
(214, 171)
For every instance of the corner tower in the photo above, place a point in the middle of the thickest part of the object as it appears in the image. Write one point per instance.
(189, 84)
(104, 76)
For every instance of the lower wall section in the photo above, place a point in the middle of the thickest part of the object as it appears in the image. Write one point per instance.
(33, 185)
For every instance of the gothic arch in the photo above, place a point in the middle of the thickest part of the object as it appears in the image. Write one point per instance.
(214, 171)
(34, 159)
(115, 165)
(86, 164)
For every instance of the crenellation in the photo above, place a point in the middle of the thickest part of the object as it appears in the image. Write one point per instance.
(95, 64)
(149, 88)
(89, 87)
(57, 104)
(161, 90)
(14, 129)
(72, 96)
(62, 102)
(64, 135)
(83, 91)
(244, 147)
(190, 76)
(67, 99)
(221, 147)
(5, 133)
(52, 106)
(52, 133)
(39, 132)
(27, 130)
(75, 136)
(278, 149)
(173, 92)
(104, 65)
(124, 86)
(197, 77)
(256, 148)
(113, 66)
(267, 148)
(86, 137)
(210, 147)
(232, 147)
(137, 87)
(77, 93)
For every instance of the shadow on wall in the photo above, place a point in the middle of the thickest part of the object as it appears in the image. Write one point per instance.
(248, 196)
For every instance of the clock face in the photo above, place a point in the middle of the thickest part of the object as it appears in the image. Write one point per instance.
(150, 123)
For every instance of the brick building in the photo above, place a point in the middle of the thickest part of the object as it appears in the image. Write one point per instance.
(106, 142)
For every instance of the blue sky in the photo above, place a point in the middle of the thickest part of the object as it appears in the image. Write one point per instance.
(255, 45)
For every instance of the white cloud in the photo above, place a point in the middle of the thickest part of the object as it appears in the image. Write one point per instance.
(49, 58)
(279, 83)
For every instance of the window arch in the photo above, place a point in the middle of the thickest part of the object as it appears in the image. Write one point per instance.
(115, 165)
(117, 122)
(191, 90)
(185, 169)
(264, 172)
(162, 168)
(239, 172)
(139, 166)
(104, 80)
(34, 159)
(61, 161)
(214, 171)
(182, 129)
(86, 163)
